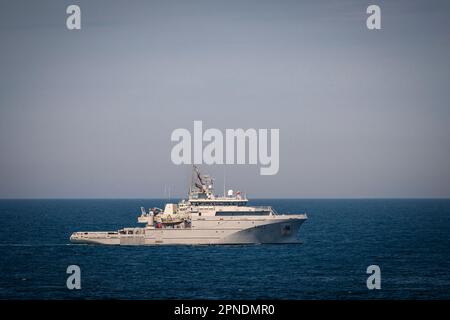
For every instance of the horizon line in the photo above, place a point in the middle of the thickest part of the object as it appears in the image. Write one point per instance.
(256, 198)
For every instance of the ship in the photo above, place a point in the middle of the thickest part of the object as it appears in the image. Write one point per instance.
(203, 219)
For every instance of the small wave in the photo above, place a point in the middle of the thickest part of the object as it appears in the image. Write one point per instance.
(34, 245)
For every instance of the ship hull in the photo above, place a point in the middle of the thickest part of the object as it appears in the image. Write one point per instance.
(206, 231)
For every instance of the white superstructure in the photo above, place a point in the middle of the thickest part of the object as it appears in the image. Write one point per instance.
(203, 219)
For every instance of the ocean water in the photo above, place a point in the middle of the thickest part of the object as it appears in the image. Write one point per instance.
(408, 239)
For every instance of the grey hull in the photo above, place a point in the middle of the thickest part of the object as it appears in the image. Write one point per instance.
(211, 232)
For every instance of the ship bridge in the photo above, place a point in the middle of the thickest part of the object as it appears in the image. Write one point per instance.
(219, 201)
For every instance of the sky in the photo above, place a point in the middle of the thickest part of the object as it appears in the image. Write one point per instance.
(89, 113)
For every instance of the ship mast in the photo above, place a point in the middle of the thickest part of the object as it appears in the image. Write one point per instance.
(224, 180)
(202, 184)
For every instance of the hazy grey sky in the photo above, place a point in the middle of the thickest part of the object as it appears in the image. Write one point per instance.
(89, 113)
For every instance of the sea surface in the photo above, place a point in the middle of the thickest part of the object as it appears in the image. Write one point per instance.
(408, 239)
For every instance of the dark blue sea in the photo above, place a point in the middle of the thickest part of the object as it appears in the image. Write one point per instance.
(408, 239)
